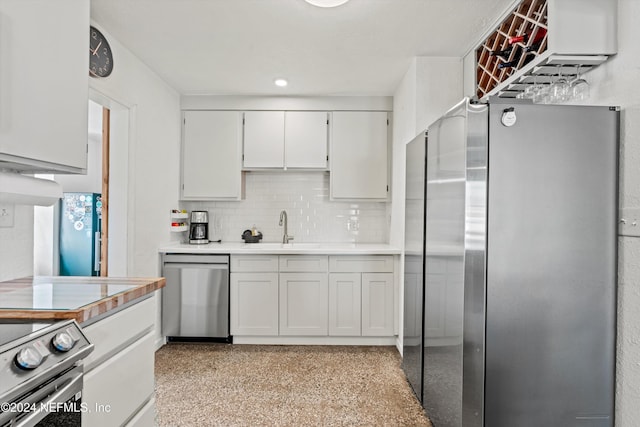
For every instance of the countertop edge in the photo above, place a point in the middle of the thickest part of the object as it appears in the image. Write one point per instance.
(256, 248)
(89, 311)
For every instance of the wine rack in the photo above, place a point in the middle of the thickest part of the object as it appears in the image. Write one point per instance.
(518, 40)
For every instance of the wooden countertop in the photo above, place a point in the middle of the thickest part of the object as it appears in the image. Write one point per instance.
(65, 297)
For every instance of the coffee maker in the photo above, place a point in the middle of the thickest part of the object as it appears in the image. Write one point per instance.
(199, 228)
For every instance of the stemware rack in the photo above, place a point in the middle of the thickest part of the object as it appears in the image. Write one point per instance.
(566, 44)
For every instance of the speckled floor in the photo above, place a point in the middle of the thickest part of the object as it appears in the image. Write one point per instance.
(242, 385)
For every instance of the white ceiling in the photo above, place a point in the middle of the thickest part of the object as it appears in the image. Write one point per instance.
(240, 46)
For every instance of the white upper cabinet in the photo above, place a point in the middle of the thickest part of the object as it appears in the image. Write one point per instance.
(263, 139)
(211, 155)
(44, 69)
(359, 151)
(292, 139)
(306, 139)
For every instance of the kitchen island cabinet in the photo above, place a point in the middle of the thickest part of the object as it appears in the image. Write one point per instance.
(117, 316)
(211, 155)
(119, 374)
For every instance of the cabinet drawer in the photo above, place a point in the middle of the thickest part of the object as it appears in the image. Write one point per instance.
(304, 263)
(361, 264)
(254, 263)
(105, 384)
(113, 333)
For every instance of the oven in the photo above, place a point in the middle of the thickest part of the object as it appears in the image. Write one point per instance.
(41, 374)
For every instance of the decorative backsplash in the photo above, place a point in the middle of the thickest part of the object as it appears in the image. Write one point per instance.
(305, 197)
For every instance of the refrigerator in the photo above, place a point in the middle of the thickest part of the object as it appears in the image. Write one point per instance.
(510, 298)
(80, 227)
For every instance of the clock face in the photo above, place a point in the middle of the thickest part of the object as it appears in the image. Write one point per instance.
(100, 55)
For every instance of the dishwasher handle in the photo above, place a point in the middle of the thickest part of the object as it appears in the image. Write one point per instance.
(195, 265)
(196, 259)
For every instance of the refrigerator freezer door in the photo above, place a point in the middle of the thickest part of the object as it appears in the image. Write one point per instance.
(444, 267)
(414, 262)
(551, 267)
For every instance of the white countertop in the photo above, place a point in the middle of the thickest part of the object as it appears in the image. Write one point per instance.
(300, 248)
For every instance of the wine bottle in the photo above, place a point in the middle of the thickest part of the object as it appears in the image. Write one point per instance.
(503, 53)
(530, 57)
(514, 61)
(524, 38)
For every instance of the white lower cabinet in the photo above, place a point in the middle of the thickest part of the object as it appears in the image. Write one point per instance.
(119, 374)
(345, 301)
(120, 386)
(377, 304)
(304, 304)
(254, 304)
(312, 296)
(147, 416)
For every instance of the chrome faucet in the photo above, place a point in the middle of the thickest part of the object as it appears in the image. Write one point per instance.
(283, 221)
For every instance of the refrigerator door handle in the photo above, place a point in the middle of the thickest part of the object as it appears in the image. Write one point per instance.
(96, 252)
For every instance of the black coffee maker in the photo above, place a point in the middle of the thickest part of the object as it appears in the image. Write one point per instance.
(199, 228)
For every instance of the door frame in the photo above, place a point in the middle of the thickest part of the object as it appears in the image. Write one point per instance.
(120, 198)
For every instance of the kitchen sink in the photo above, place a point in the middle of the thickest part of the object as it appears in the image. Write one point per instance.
(282, 246)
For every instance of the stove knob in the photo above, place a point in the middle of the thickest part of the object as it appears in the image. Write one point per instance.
(28, 358)
(63, 342)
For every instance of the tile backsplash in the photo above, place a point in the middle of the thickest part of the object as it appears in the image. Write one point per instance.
(312, 216)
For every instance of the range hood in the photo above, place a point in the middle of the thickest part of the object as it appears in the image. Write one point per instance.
(18, 189)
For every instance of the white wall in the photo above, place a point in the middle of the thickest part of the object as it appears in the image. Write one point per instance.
(16, 245)
(617, 83)
(154, 150)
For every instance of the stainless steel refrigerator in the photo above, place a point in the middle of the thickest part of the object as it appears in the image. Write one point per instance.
(510, 305)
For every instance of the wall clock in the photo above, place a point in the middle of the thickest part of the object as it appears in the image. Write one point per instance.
(100, 55)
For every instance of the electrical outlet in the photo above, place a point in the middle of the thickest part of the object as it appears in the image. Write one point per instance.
(7, 213)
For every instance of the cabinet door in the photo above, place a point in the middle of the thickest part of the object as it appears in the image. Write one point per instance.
(211, 155)
(344, 304)
(359, 155)
(254, 304)
(263, 139)
(44, 86)
(305, 141)
(377, 304)
(304, 299)
(104, 386)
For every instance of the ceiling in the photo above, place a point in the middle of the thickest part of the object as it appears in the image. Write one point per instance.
(240, 46)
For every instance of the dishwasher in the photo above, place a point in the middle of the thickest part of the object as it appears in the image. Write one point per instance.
(195, 300)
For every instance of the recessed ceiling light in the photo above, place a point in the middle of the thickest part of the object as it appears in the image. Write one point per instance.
(281, 82)
(326, 3)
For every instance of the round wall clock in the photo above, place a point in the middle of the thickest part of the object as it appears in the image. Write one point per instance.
(100, 55)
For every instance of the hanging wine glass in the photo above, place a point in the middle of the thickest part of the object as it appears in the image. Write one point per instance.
(559, 91)
(530, 90)
(579, 88)
(541, 95)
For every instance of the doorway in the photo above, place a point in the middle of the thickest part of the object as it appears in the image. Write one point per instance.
(107, 175)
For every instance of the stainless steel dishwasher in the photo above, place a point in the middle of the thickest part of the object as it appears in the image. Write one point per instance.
(195, 301)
